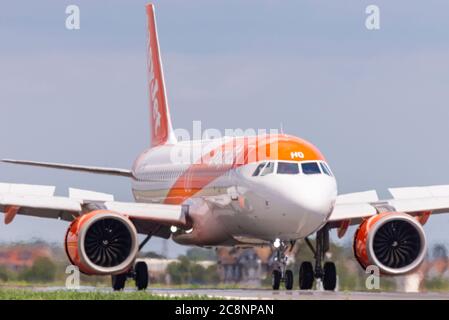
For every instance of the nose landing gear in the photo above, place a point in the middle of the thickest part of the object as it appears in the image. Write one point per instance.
(280, 272)
(327, 273)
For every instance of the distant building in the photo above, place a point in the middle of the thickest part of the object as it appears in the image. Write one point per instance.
(249, 265)
(18, 257)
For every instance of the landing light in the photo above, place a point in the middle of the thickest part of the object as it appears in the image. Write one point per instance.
(173, 229)
(277, 243)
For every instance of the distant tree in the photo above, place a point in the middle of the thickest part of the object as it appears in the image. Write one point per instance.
(211, 275)
(43, 270)
(439, 252)
(4, 275)
(201, 254)
(187, 271)
(180, 271)
(152, 255)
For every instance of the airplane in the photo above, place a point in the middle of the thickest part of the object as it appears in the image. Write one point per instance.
(261, 190)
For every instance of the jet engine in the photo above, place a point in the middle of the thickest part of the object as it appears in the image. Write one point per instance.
(102, 242)
(395, 242)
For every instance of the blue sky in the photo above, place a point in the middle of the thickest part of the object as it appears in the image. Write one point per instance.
(375, 102)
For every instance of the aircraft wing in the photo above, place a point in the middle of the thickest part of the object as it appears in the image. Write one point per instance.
(40, 201)
(73, 167)
(354, 207)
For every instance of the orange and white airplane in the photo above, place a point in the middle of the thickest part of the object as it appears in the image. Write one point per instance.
(233, 191)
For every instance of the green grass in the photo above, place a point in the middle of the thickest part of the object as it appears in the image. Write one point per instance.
(129, 284)
(24, 294)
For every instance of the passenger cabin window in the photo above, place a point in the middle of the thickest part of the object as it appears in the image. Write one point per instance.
(268, 169)
(258, 169)
(310, 168)
(287, 168)
(325, 169)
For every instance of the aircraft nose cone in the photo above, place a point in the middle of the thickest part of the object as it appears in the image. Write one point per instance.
(318, 199)
(314, 194)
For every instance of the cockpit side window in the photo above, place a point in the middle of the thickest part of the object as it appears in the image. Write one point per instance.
(268, 169)
(259, 168)
(328, 168)
(287, 168)
(310, 168)
(325, 169)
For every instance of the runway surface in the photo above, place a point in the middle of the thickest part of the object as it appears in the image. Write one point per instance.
(265, 294)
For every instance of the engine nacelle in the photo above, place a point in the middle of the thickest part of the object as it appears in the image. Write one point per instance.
(395, 242)
(102, 242)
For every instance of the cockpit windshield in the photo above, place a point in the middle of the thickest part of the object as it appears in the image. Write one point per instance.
(292, 168)
(258, 169)
(288, 168)
(310, 168)
(269, 168)
(325, 169)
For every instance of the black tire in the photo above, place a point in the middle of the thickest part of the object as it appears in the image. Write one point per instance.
(118, 281)
(289, 280)
(306, 276)
(330, 276)
(276, 279)
(141, 274)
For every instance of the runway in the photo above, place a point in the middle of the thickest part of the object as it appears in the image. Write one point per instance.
(265, 294)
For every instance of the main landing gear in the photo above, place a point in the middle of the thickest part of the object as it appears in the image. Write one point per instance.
(139, 273)
(280, 272)
(327, 272)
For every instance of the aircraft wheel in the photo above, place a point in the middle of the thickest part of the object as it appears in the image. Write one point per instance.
(306, 276)
(118, 281)
(288, 279)
(276, 279)
(330, 276)
(141, 275)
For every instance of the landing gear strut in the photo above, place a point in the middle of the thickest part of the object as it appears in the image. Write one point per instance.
(280, 272)
(326, 273)
(139, 273)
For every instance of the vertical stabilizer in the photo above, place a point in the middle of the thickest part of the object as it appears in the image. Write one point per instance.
(161, 127)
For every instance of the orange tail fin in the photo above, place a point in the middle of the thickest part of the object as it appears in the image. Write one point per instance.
(161, 127)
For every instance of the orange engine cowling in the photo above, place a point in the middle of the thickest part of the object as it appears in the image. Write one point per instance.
(394, 242)
(102, 242)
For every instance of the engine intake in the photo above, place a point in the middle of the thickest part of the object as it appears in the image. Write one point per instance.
(102, 242)
(394, 242)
